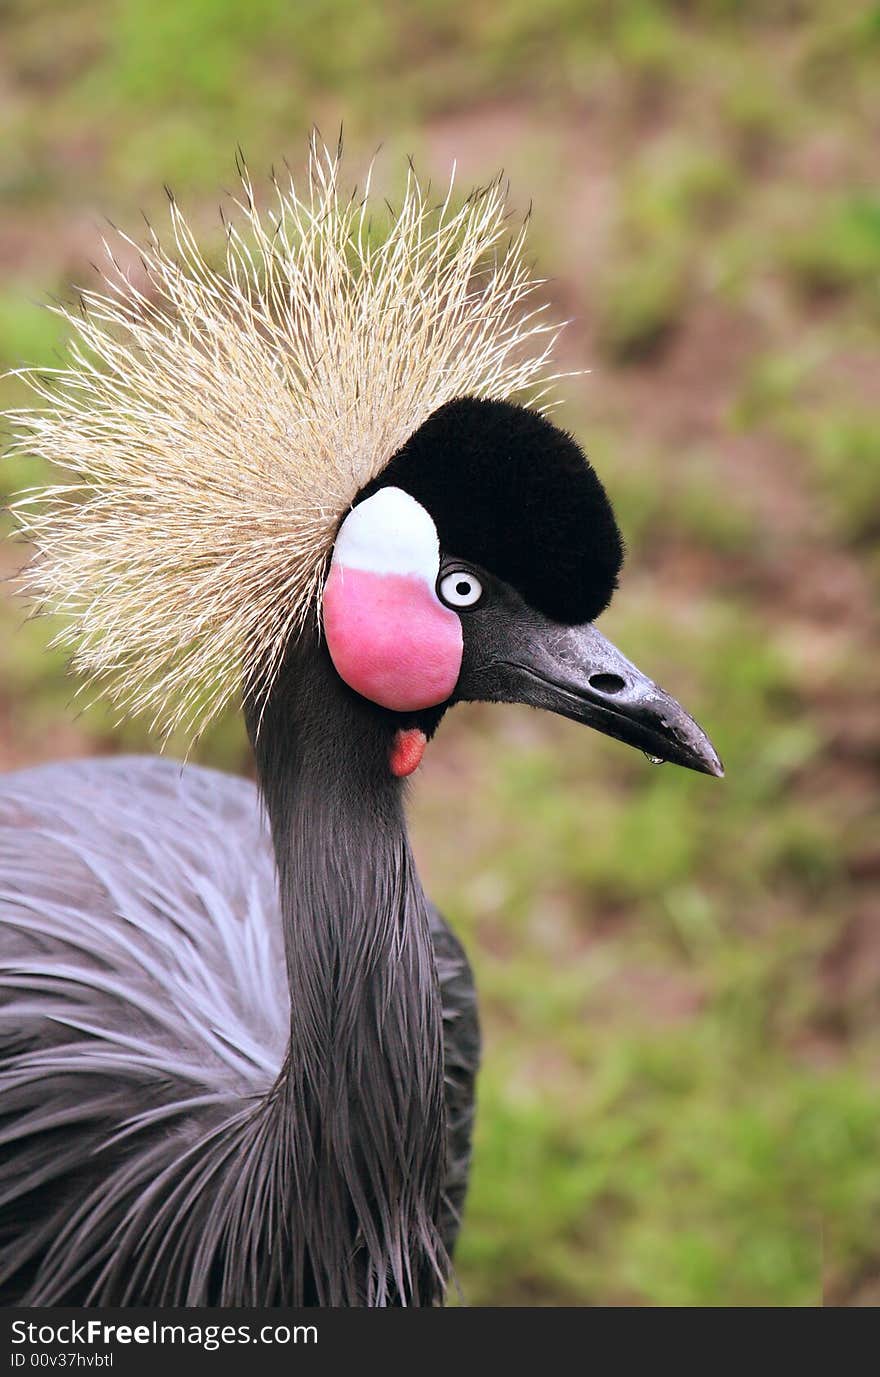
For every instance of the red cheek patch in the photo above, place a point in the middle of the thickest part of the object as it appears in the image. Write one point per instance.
(390, 638)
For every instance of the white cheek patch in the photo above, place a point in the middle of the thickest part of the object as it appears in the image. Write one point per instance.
(390, 533)
(390, 637)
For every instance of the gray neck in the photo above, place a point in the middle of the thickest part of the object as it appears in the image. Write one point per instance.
(361, 1095)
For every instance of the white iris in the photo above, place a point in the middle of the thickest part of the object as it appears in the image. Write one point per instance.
(460, 588)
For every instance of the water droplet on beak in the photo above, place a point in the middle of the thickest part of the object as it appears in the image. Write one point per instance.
(653, 759)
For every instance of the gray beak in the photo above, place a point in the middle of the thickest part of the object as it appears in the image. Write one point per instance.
(575, 672)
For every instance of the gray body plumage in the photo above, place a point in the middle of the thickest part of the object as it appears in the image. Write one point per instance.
(144, 1023)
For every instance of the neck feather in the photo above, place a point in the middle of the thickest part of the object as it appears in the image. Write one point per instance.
(361, 1095)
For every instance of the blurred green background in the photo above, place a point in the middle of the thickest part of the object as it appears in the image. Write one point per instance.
(679, 978)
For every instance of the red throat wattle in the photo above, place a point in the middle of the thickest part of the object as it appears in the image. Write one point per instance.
(407, 750)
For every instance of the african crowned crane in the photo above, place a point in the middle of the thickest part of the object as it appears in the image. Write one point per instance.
(239, 1056)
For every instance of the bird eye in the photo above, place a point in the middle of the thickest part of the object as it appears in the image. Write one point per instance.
(460, 588)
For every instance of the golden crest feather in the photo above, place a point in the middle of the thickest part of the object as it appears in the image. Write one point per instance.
(216, 422)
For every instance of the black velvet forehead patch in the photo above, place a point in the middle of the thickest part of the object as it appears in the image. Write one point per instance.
(510, 491)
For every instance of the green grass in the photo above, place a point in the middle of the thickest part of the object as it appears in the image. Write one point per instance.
(834, 429)
(679, 1103)
(839, 251)
(737, 1157)
(29, 331)
(641, 303)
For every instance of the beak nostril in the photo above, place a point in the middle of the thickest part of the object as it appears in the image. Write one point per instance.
(607, 683)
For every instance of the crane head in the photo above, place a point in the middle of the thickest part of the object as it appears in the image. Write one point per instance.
(474, 568)
(324, 425)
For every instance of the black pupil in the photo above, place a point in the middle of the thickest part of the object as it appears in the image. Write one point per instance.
(462, 588)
